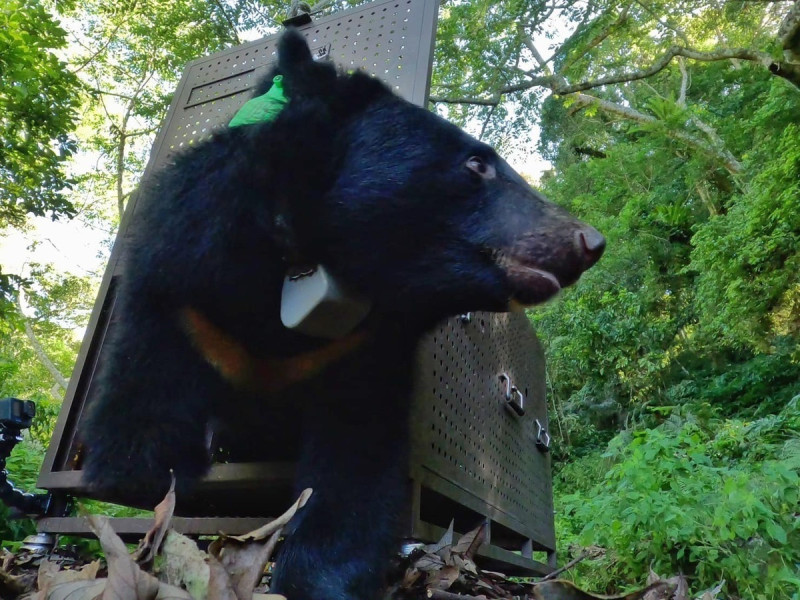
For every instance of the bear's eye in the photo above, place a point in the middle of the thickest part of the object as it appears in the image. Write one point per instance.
(479, 166)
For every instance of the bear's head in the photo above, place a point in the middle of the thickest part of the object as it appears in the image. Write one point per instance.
(417, 215)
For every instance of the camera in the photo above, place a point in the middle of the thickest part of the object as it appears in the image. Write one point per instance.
(16, 414)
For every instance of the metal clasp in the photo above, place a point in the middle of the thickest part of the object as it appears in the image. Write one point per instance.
(542, 437)
(515, 399)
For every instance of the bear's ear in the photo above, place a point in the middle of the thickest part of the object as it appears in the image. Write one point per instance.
(359, 90)
(293, 51)
(303, 77)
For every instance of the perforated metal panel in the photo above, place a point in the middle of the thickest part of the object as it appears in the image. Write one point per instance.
(472, 459)
(468, 434)
(387, 38)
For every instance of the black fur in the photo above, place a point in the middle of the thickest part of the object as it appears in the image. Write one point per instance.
(379, 191)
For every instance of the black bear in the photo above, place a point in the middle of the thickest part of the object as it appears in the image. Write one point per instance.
(401, 207)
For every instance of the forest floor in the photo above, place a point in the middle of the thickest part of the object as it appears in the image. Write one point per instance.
(167, 565)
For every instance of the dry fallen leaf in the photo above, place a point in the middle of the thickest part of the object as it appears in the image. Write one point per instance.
(443, 579)
(444, 542)
(149, 546)
(126, 581)
(245, 564)
(674, 588)
(410, 577)
(494, 575)
(657, 593)
(429, 563)
(465, 565)
(51, 575)
(220, 586)
(653, 577)
(682, 588)
(11, 585)
(273, 526)
(97, 588)
(7, 559)
(709, 594)
(470, 542)
(244, 557)
(76, 590)
(45, 576)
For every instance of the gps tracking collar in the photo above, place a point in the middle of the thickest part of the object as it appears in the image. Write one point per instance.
(312, 301)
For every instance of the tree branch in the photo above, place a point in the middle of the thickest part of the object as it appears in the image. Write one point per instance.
(465, 100)
(99, 51)
(789, 71)
(684, 82)
(123, 133)
(721, 54)
(731, 164)
(789, 35)
(526, 39)
(584, 555)
(228, 20)
(97, 90)
(486, 121)
(38, 350)
(550, 82)
(320, 6)
(586, 151)
(601, 36)
(147, 131)
(297, 6)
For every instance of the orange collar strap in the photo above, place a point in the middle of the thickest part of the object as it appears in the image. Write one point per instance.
(236, 365)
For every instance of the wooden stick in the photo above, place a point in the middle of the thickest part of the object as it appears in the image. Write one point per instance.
(566, 567)
(443, 595)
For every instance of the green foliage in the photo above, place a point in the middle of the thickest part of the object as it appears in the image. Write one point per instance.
(38, 102)
(697, 297)
(713, 499)
(59, 306)
(748, 259)
(749, 388)
(692, 312)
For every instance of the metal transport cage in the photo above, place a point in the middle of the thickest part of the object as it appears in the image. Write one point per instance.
(479, 416)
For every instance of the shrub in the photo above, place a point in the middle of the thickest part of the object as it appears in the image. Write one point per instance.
(712, 499)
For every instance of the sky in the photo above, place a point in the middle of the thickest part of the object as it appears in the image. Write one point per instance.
(69, 245)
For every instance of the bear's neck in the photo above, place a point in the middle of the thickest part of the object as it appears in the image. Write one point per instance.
(284, 358)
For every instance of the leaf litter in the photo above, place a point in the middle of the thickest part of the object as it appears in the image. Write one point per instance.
(170, 566)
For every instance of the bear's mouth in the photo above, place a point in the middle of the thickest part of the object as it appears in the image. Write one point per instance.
(530, 284)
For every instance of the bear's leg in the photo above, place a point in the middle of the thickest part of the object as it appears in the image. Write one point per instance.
(146, 420)
(341, 543)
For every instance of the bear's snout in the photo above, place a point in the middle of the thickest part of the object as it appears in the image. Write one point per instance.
(549, 257)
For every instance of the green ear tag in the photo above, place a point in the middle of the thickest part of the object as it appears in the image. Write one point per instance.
(264, 108)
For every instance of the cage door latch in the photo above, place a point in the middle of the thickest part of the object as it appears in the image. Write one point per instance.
(542, 437)
(515, 399)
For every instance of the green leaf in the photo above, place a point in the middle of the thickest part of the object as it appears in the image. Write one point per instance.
(776, 532)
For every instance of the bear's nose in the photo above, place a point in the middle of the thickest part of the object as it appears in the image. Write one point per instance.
(591, 244)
